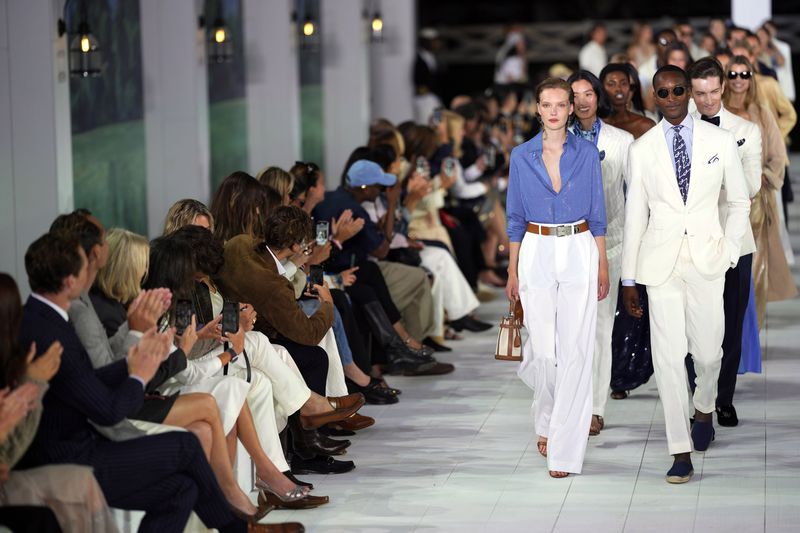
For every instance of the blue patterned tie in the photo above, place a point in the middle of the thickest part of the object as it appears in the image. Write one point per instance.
(683, 166)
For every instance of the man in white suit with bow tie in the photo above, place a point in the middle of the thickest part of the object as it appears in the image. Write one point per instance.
(708, 86)
(675, 245)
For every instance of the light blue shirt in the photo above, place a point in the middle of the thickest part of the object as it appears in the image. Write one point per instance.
(531, 197)
(686, 134)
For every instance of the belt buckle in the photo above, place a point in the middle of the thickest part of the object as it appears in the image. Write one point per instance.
(563, 231)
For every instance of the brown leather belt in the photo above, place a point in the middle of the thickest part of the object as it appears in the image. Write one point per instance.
(559, 231)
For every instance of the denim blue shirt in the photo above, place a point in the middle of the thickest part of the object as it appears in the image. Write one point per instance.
(531, 197)
(686, 133)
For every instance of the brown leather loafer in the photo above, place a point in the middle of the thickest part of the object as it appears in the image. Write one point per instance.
(346, 402)
(309, 502)
(286, 527)
(344, 406)
(355, 422)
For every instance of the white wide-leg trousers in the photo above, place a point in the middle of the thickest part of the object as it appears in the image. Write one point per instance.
(606, 311)
(686, 316)
(558, 291)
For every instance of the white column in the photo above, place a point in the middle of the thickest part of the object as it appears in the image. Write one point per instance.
(175, 105)
(750, 13)
(392, 61)
(272, 84)
(35, 136)
(345, 82)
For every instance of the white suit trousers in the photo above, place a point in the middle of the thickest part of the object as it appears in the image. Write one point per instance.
(558, 291)
(686, 316)
(606, 311)
(450, 290)
(335, 385)
(289, 390)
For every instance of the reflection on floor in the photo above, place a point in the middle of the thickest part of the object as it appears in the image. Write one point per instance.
(459, 454)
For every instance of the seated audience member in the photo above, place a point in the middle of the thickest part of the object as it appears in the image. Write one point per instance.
(309, 186)
(291, 395)
(188, 212)
(165, 475)
(408, 284)
(103, 349)
(362, 183)
(47, 498)
(278, 180)
(240, 400)
(251, 273)
(119, 282)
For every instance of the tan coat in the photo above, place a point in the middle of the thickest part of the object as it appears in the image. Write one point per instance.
(770, 95)
(771, 274)
(251, 275)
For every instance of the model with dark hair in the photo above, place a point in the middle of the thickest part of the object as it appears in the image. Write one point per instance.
(613, 144)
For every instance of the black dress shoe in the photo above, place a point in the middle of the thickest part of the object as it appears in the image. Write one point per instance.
(333, 443)
(296, 481)
(436, 370)
(470, 324)
(321, 465)
(308, 443)
(435, 345)
(329, 431)
(374, 393)
(726, 416)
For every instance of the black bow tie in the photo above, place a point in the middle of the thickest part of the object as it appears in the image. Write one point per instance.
(713, 120)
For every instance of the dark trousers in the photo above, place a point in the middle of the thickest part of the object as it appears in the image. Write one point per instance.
(312, 361)
(165, 475)
(355, 339)
(735, 300)
(370, 287)
(29, 519)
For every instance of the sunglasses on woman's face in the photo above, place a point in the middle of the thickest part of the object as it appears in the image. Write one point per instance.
(663, 93)
(744, 75)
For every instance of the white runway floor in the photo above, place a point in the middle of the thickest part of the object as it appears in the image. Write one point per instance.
(458, 453)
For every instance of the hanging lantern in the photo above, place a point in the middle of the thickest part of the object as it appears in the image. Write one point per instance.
(220, 42)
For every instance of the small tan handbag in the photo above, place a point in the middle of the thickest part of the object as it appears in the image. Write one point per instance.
(509, 338)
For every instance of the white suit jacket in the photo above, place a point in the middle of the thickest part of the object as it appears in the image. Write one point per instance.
(748, 142)
(613, 145)
(656, 219)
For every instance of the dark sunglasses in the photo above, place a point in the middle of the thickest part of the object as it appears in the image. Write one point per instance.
(746, 75)
(663, 93)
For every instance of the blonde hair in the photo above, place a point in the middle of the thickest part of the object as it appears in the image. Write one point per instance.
(453, 122)
(128, 262)
(183, 212)
(278, 180)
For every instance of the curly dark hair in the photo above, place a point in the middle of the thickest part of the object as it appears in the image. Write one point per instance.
(287, 226)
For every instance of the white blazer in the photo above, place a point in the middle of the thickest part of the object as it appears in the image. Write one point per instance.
(656, 219)
(748, 142)
(613, 145)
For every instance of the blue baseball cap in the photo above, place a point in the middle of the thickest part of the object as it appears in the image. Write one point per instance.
(363, 173)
